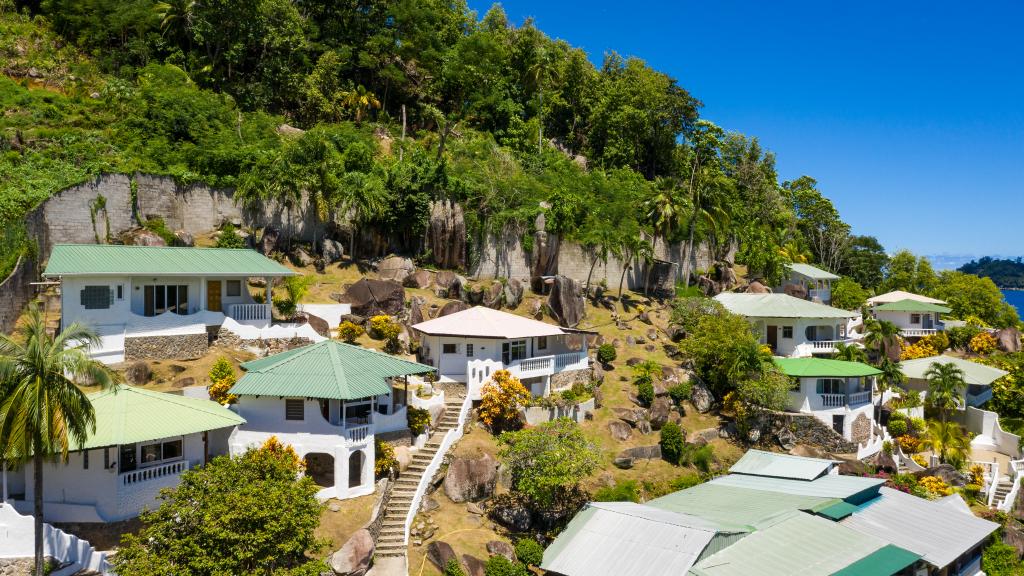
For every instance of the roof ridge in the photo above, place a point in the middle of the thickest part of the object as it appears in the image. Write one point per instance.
(298, 352)
(199, 404)
(340, 378)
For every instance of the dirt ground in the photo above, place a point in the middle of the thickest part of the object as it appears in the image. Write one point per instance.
(338, 526)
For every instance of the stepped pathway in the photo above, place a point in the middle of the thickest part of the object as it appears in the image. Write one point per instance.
(391, 541)
(1002, 490)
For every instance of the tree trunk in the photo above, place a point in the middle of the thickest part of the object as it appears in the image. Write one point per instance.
(37, 502)
(586, 288)
(622, 278)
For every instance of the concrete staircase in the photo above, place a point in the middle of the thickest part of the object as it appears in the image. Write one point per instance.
(391, 541)
(1002, 490)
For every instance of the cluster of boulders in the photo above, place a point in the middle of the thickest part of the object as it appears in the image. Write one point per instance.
(721, 278)
(440, 553)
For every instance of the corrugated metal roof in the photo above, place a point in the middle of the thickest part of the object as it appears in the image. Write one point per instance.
(897, 295)
(778, 306)
(888, 559)
(910, 305)
(125, 415)
(777, 465)
(800, 544)
(112, 259)
(974, 373)
(328, 369)
(737, 506)
(837, 511)
(811, 367)
(483, 322)
(827, 486)
(812, 272)
(627, 539)
(939, 533)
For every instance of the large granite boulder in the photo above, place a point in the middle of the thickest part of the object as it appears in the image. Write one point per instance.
(545, 250)
(142, 237)
(446, 234)
(439, 553)
(660, 410)
(566, 301)
(946, 472)
(471, 479)
(756, 287)
(511, 512)
(331, 250)
(183, 238)
(513, 293)
(268, 240)
(1008, 339)
(317, 323)
(701, 397)
(474, 294)
(353, 559)
(536, 309)
(138, 373)
(419, 279)
(300, 257)
(652, 452)
(501, 548)
(416, 304)
(448, 284)
(620, 430)
(493, 295)
(372, 297)
(474, 566)
(453, 307)
(796, 290)
(395, 268)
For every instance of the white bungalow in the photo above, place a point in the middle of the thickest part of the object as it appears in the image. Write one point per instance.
(143, 442)
(148, 301)
(816, 281)
(915, 315)
(836, 392)
(470, 345)
(791, 326)
(328, 401)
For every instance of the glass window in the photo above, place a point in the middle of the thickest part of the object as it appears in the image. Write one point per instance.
(915, 318)
(294, 409)
(159, 298)
(96, 297)
(512, 351)
(449, 348)
(787, 332)
(469, 350)
(172, 449)
(234, 287)
(150, 453)
(120, 292)
(542, 343)
(831, 386)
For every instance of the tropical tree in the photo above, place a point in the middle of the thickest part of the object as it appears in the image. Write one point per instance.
(892, 377)
(850, 353)
(880, 335)
(634, 249)
(44, 413)
(359, 100)
(947, 439)
(945, 384)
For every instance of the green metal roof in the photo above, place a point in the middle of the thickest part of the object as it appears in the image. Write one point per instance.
(974, 373)
(126, 414)
(812, 272)
(837, 511)
(762, 463)
(909, 305)
(798, 544)
(814, 367)
(851, 488)
(886, 560)
(328, 369)
(778, 306)
(737, 506)
(118, 260)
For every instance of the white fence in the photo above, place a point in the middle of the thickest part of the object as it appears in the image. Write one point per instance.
(1016, 471)
(17, 540)
(916, 332)
(152, 473)
(248, 312)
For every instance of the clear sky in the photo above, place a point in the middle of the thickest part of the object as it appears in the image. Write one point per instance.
(910, 114)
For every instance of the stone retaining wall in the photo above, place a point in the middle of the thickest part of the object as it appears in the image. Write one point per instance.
(16, 566)
(178, 347)
(15, 292)
(565, 379)
(396, 437)
(809, 430)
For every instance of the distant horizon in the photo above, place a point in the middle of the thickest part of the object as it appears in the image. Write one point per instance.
(907, 115)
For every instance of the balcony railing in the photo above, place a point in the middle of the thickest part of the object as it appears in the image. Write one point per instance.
(915, 332)
(851, 399)
(825, 345)
(856, 398)
(567, 360)
(248, 311)
(152, 473)
(358, 434)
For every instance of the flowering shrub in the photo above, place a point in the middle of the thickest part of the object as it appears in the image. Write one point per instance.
(977, 474)
(920, 460)
(935, 486)
(385, 328)
(502, 397)
(275, 447)
(222, 378)
(909, 444)
(350, 331)
(385, 460)
(983, 343)
(920, 349)
(418, 420)
(938, 341)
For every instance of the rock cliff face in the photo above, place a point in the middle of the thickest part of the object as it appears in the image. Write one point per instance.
(446, 234)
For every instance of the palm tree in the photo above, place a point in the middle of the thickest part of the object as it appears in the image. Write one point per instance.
(880, 335)
(44, 412)
(176, 18)
(891, 377)
(850, 353)
(634, 247)
(363, 197)
(360, 100)
(947, 439)
(945, 383)
(602, 241)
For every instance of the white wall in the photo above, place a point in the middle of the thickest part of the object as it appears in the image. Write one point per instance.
(789, 346)
(454, 365)
(903, 319)
(807, 400)
(71, 302)
(17, 540)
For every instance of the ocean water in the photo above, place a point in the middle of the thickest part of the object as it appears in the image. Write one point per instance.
(1016, 299)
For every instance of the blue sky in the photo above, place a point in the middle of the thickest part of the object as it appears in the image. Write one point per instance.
(909, 114)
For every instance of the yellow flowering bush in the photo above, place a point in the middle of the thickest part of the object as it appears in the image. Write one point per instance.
(920, 460)
(350, 331)
(908, 443)
(977, 475)
(935, 485)
(384, 459)
(983, 343)
(222, 378)
(384, 327)
(939, 342)
(275, 446)
(921, 349)
(501, 399)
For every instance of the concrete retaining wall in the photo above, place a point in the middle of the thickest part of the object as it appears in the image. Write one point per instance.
(15, 292)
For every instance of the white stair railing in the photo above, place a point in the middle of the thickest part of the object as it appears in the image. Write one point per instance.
(1016, 469)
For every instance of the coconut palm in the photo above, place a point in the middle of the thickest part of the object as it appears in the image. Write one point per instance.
(880, 335)
(892, 377)
(359, 100)
(947, 439)
(945, 384)
(44, 412)
(850, 353)
(634, 248)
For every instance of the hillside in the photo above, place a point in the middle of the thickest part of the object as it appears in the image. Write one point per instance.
(374, 113)
(1005, 273)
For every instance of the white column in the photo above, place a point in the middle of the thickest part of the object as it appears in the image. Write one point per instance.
(202, 293)
(270, 299)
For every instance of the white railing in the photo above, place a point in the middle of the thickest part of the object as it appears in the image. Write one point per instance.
(248, 311)
(833, 400)
(531, 367)
(570, 360)
(358, 434)
(152, 473)
(1016, 469)
(859, 397)
(450, 438)
(823, 295)
(825, 345)
(990, 476)
(915, 332)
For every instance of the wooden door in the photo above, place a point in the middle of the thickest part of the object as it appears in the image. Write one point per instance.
(773, 337)
(213, 295)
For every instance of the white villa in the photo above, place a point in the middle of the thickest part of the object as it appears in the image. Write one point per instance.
(791, 326)
(143, 442)
(838, 393)
(470, 345)
(816, 281)
(328, 401)
(915, 315)
(166, 302)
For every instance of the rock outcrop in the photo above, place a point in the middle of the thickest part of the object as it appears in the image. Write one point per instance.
(395, 268)
(1008, 339)
(471, 479)
(453, 307)
(353, 559)
(513, 293)
(439, 553)
(331, 250)
(372, 297)
(566, 301)
(446, 234)
(142, 237)
(268, 240)
(419, 279)
(448, 284)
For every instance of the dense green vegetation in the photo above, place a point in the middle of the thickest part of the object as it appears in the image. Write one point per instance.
(1004, 272)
